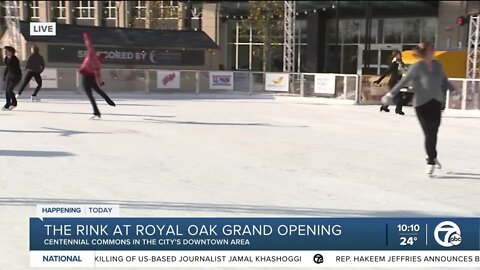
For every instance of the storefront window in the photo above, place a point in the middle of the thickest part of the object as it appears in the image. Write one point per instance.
(352, 28)
(411, 33)
(393, 31)
(350, 56)
(429, 27)
(243, 53)
(373, 31)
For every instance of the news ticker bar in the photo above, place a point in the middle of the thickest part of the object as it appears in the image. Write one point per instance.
(171, 259)
(136, 234)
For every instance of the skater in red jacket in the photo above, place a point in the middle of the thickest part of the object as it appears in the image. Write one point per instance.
(90, 71)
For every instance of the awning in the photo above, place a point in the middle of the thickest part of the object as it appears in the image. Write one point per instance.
(124, 37)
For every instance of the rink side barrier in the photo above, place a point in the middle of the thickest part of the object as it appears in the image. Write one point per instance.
(351, 87)
(467, 96)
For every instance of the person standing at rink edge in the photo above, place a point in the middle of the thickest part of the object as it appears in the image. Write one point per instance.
(12, 76)
(90, 71)
(430, 85)
(34, 67)
(396, 70)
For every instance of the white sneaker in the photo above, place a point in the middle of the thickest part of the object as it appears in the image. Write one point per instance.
(430, 169)
(34, 98)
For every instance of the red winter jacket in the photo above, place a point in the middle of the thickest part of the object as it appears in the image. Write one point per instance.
(91, 65)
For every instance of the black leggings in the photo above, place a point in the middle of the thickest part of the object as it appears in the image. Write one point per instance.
(28, 77)
(430, 115)
(89, 83)
(397, 99)
(9, 94)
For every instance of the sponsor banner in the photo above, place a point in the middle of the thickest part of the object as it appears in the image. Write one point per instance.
(168, 79)
(160, 57)
(49, 79)
(324, 84)
(221, 80)
(114, 233)
(244, 259)
(277, 82)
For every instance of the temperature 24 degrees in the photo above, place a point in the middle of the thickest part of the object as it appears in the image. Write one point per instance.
(408, 240)
(408, 234)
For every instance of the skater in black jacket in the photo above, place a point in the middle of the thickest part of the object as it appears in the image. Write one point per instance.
(396, 70)
(34, 67)
(12, 76)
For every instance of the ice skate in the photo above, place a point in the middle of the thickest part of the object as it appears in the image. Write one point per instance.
(96, 117)
(5, 109)
(430, 170)
(35, 99)
(18, 95)
(437, 163)
(11, 107)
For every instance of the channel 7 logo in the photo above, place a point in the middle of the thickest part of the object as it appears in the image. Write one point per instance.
(448, 234)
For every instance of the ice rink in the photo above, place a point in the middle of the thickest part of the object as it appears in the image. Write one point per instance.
(228, 155)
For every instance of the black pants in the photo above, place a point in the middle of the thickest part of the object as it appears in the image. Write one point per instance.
(28, 77)
(398, 99)
(89, 83)
(9, 94)
(430, 115)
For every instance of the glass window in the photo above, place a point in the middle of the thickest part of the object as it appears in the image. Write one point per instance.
(35, 10)
(60, 10)
(373, 31)
(85, 9)
(257, 58)
(140, 10)
(230, 57)
(11, 6)
(243, 33)
(330, 32)
(429, 27)
(163, 9)
(256, 35)
(231, 28)
(243, 53)
(408, 47)
(351, 33)
(392, 31)
(349, 60)
(110, 9)
(411, 31)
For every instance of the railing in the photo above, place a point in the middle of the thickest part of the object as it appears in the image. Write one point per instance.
(359, 90)
(467, 96)
(340, 86)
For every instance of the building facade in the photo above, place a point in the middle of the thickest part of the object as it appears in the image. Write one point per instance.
(331, 36)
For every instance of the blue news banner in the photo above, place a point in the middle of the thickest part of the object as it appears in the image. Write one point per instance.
(254, 234)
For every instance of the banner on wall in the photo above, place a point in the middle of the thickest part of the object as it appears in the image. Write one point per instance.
(276, 82)
(324, 84)
(168, 79)
(49, 79)
(221, 80)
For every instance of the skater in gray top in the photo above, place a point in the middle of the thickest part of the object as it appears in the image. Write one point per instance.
(34, 67)
(430, 85)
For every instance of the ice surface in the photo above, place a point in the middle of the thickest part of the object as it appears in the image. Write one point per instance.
(228, 155)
